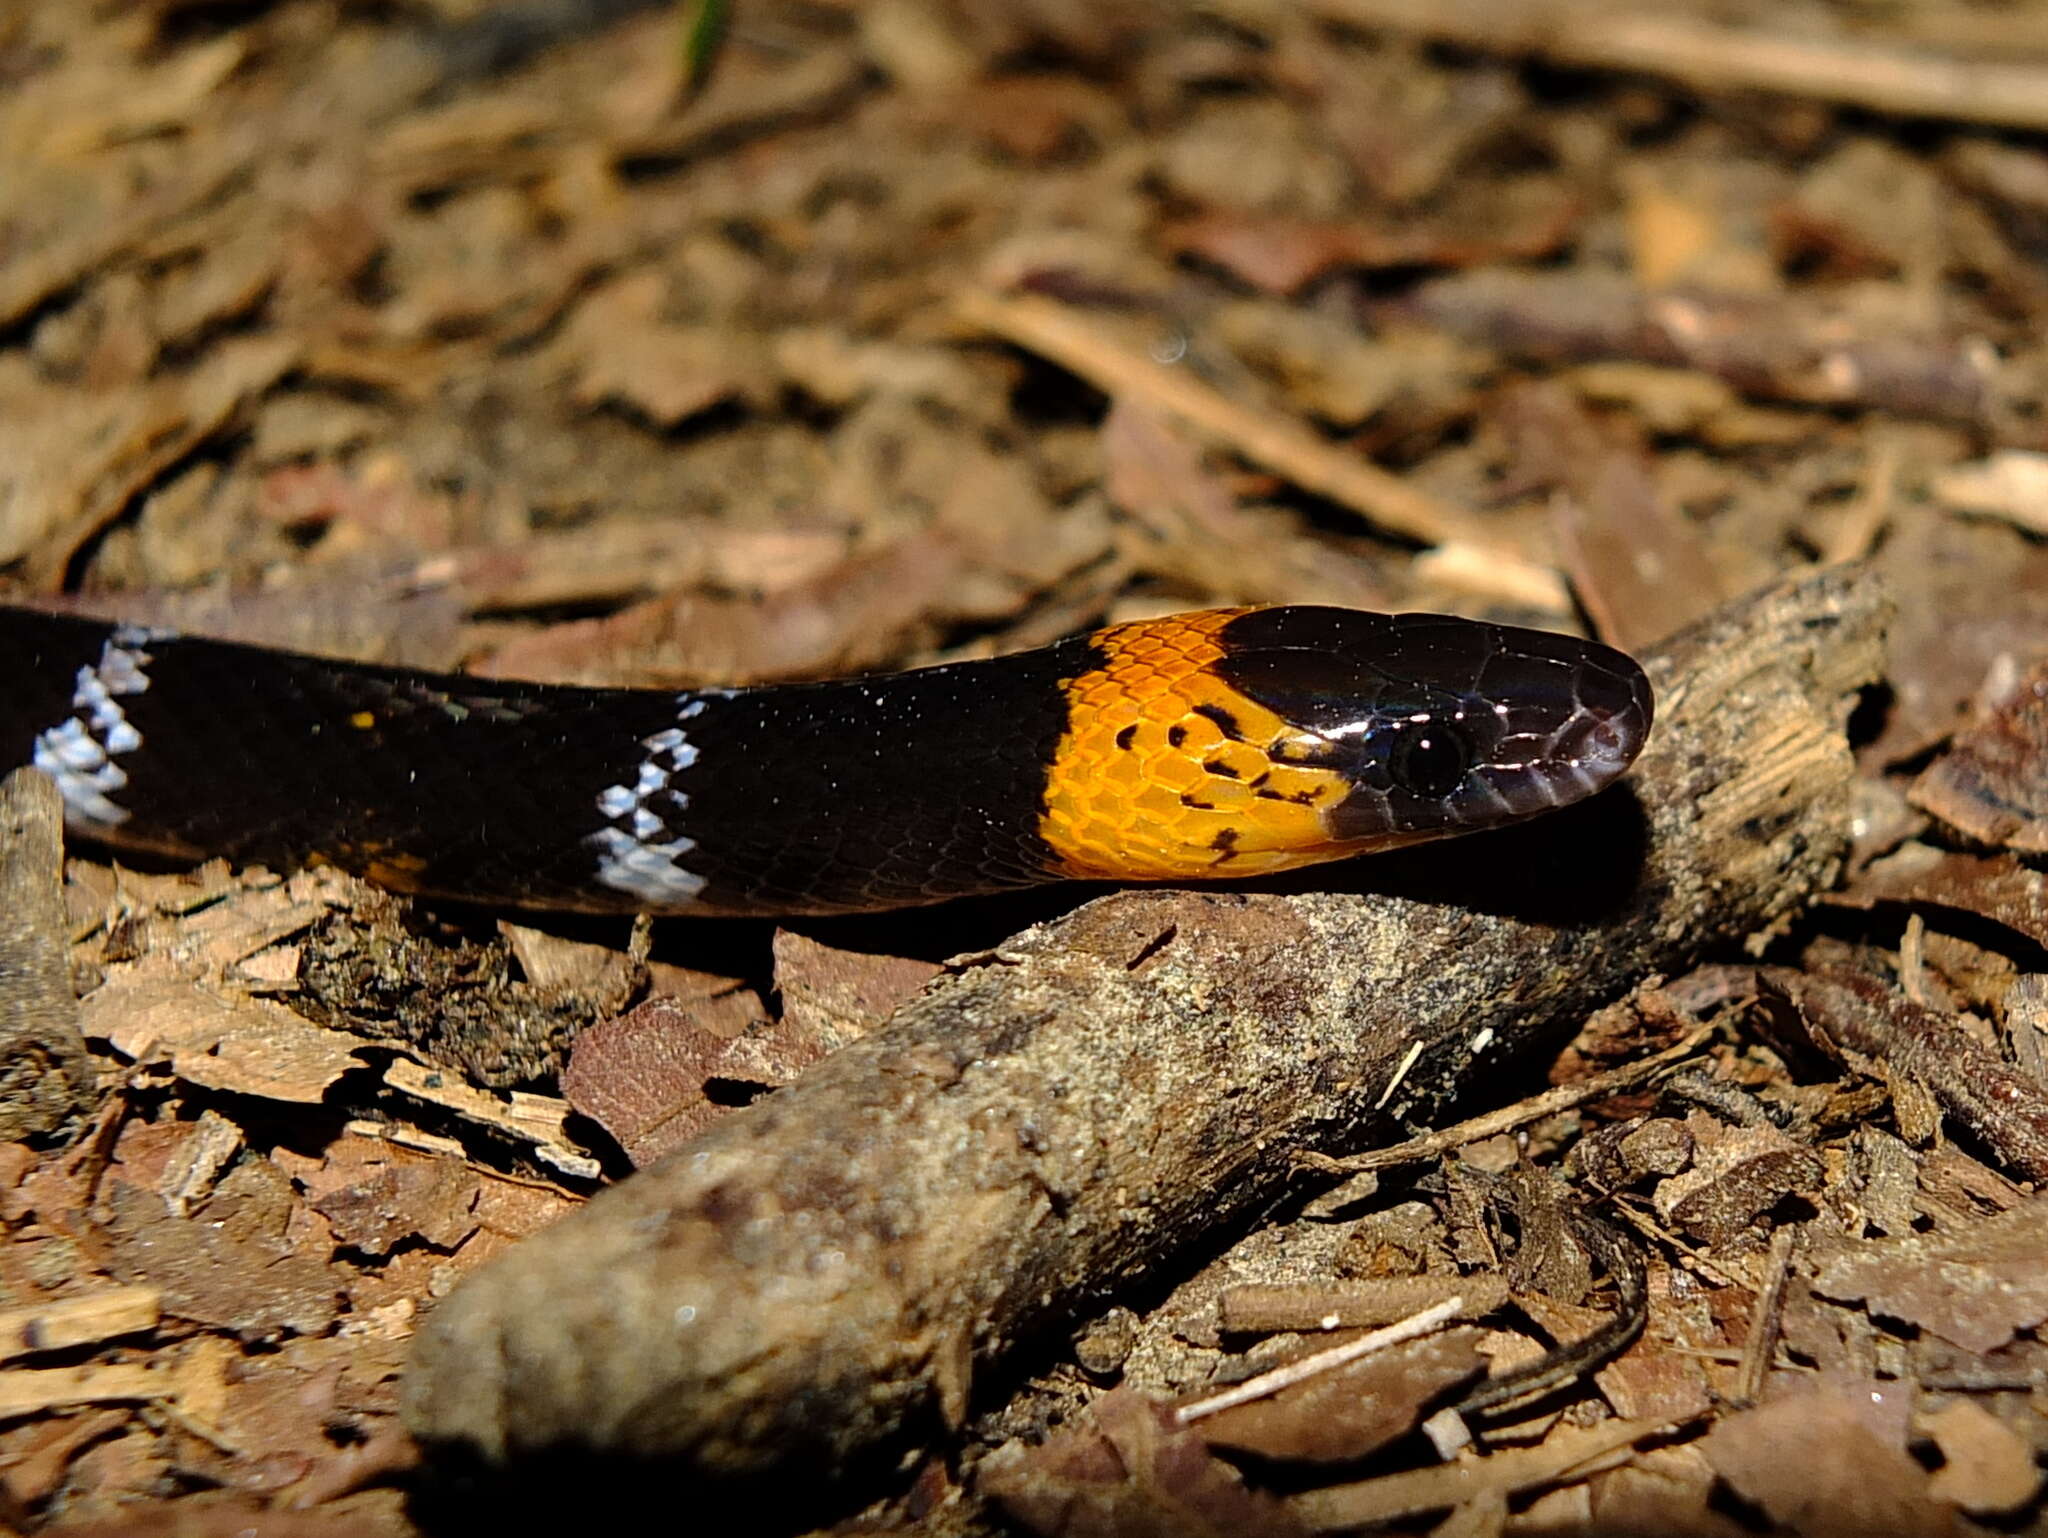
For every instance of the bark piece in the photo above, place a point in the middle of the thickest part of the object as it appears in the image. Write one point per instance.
(244, 1046)
(46, 1075)
(821, 1273)
(1994, 784)
(1738, 1175)
(1851, 1015)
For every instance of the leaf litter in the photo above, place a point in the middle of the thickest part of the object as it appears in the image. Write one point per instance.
(314, 331)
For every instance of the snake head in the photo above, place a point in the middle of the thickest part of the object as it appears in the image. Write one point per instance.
(1439, 725)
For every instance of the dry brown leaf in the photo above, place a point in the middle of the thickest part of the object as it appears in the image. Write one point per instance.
(1974, 1285)
(1939, 568)
(1354, 1410)
(1998, 887)
(1988, 1468)
(2012, 484)
(831, 995)
(1140, 1475)
(255, 1284)
(854, 615)
(666, 372)
(1154, 472)
(377, 1195)
(642, 1075)
(1830, 1461)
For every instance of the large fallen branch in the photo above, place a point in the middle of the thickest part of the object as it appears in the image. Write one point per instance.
(822, 1273)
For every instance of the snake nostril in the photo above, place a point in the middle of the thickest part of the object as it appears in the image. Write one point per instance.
(1601, 745)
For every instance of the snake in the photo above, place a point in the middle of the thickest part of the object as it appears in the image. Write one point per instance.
(1199, 746)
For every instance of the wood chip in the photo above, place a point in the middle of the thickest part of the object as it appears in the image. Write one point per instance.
(538, 1121)
(77, 1321)
(248, 1046)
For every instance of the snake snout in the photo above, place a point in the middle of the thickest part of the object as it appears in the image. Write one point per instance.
(1606, 731)
(1597, 729)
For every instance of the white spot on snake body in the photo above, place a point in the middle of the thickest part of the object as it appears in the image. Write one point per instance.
(644, 870)
(79, 752)
(71, 746)
(640, 857)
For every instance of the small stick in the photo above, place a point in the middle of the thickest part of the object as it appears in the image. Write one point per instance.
(63, 1323)
(1765, 1319)
(1433, 1145)
(1280, 443)
(1270, 1383)
(1709, 57)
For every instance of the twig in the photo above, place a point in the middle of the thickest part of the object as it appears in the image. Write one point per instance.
(1573, 1359)
(1266, 438)
(1563, 1455)
(1269, 1383)
(1433, 1145)
(63, 1323)
(1765, 1319)
(1717, 58)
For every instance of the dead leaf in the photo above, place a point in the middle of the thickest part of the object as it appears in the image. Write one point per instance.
(377, 1195)
(1829, 1461)
(1974, 1285)
(255, 1285)
(1988, 1468)
(1995, 887)
(1139, 1475)
(832, 995)
(1354, 1410)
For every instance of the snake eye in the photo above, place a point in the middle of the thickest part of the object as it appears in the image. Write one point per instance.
(1429, 761)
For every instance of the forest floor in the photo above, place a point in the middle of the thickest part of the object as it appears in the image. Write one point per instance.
(465, 336)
